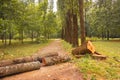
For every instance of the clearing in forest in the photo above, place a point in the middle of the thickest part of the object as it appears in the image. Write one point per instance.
(64, 71)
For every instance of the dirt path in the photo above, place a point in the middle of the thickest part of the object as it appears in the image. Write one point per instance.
(64, 71)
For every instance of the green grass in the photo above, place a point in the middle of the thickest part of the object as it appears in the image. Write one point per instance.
(100, 70)
(20, 50)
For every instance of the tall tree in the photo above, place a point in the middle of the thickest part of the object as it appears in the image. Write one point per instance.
(82, 25)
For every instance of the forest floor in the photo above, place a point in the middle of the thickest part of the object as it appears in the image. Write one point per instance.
(63, 71)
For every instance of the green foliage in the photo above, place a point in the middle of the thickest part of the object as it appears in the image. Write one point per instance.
(103, 18)
(22, 19)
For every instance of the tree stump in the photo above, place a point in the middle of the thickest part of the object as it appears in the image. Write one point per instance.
(85, 48)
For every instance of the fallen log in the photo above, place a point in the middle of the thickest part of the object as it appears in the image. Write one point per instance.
(19, 68)
(47, 61)
(36, 57)
(6, 62)
(48, 54)
(86, 47)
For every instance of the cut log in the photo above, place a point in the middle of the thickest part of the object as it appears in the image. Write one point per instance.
(19, 60)
(6, 62)
(47, 61)
(87, 47)
(27, 59)
(48, 54)
(19, 68)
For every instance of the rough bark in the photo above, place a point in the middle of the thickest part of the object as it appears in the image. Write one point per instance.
(82, 25)
(27, 59)
(86, 47)
(19, 68)
(75, 31)
(47, 61)
(48, 54)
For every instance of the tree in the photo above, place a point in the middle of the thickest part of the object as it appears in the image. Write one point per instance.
(82, 25)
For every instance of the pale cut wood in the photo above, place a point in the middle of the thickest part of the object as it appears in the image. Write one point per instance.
(19, 68)
(87, 47)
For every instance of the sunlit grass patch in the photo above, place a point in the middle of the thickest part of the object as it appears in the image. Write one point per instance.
(20, 50)
(100, 70)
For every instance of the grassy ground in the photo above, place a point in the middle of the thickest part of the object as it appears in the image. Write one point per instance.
(19, 50)
(100, 70)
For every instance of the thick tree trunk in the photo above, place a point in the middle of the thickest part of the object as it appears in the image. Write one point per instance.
(47, 61)
(82, 25)
(66, 30)
(75, 31)
(19, 68)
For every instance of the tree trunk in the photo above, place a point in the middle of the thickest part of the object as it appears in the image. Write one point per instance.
(108, 34)
(62, 33)
(66, 30)
(10, 36)
(19, 68)
(82, 25)
(5, 38)
(32, 35)
(75, 31)
(22, 36)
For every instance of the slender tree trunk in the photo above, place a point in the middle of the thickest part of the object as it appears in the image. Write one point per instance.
(5, 37)
(32, 36)
(82, 25)
(62, 33)
(108, 34)
(22, 36)
(10, 35)
(2, 37)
